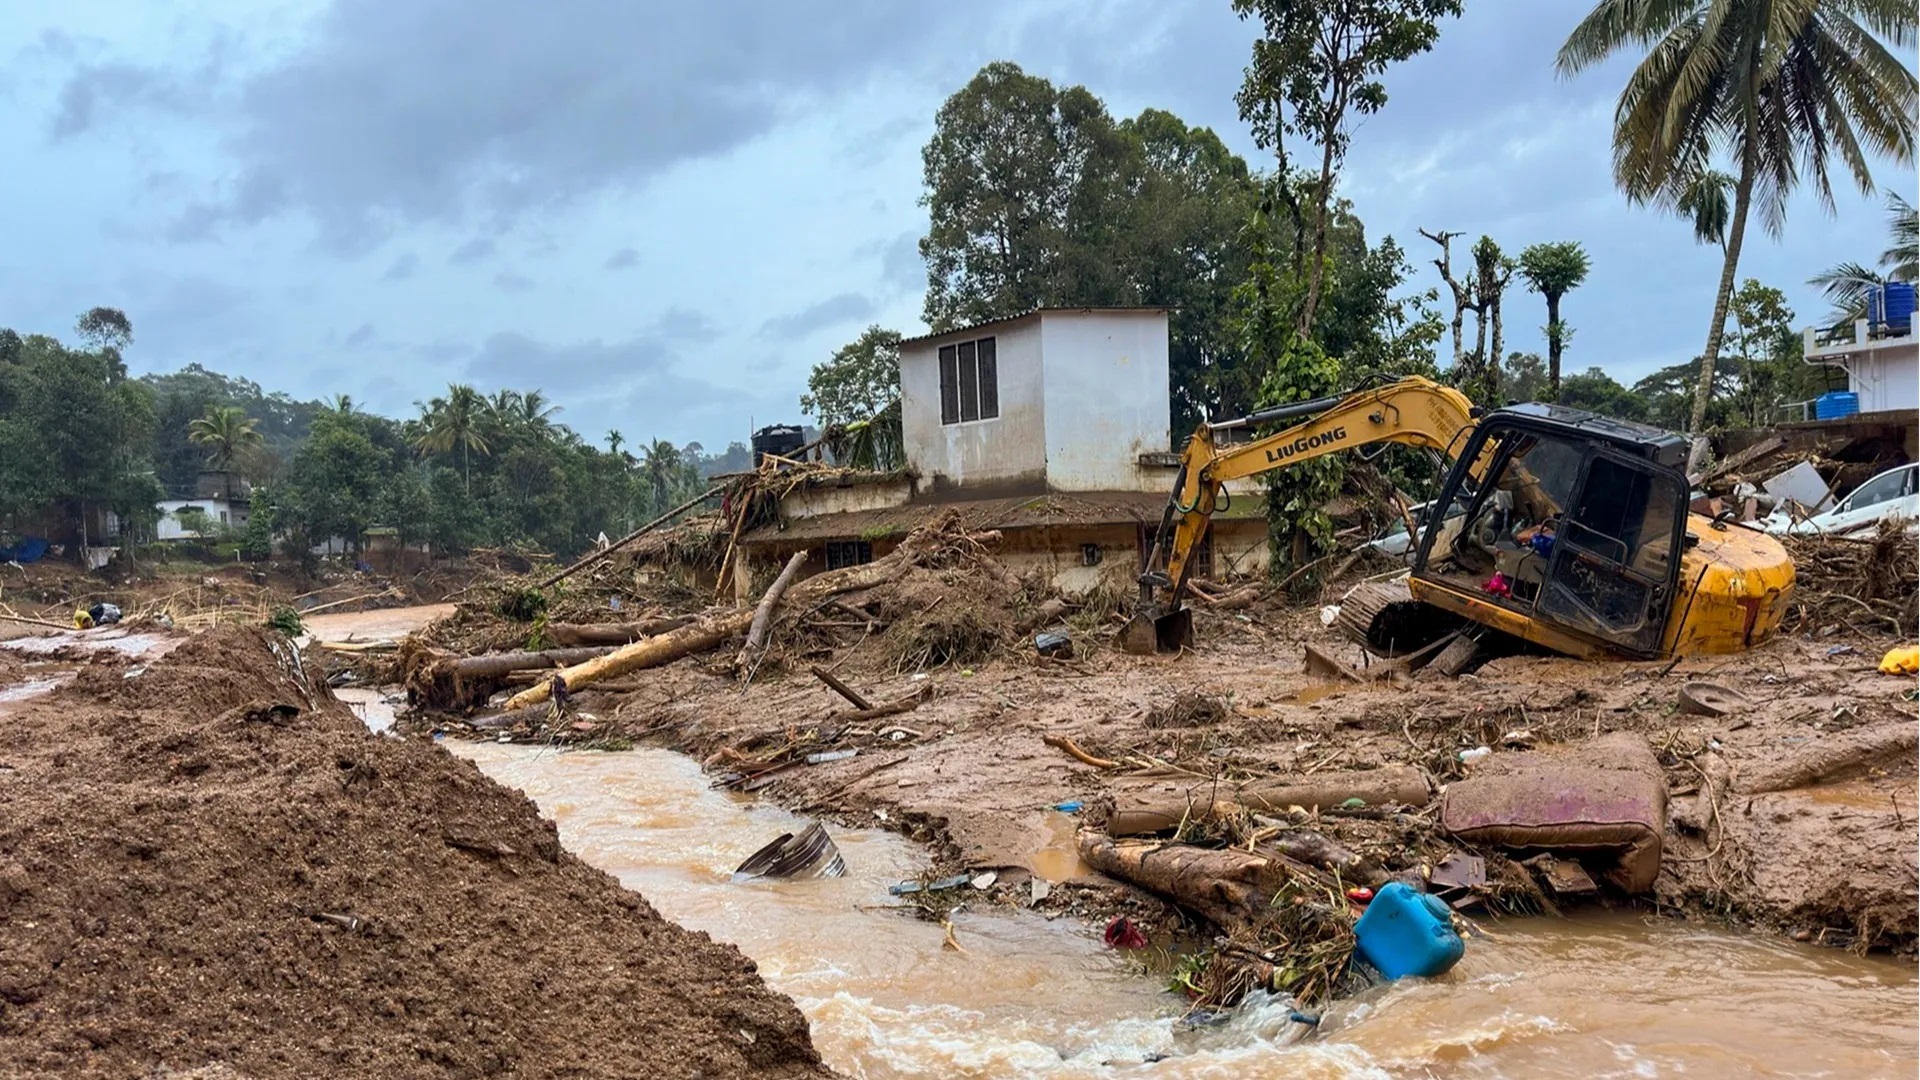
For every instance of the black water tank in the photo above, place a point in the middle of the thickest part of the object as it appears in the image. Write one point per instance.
(782, 439)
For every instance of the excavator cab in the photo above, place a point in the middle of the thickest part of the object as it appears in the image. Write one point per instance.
(1559, 524)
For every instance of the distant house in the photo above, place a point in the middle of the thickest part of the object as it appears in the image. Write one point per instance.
(225, 499)
(1049, 426)
(1881, 361)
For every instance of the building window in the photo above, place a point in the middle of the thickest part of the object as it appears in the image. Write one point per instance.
(969, 382)
(844, 553)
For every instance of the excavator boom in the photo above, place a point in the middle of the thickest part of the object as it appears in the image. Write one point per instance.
(1413, 411)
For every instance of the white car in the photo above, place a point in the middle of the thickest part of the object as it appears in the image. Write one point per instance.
(1395, 541)
(1892, 494)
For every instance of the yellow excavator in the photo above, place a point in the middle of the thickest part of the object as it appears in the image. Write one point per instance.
(1554, 527)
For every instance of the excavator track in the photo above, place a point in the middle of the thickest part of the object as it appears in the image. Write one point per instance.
(1385, 619)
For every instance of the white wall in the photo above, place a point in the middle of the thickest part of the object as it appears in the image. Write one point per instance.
(1106, 399)
(169, 527)
(1009, 448)
(1887, 379)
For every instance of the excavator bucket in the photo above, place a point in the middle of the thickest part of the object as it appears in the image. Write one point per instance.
(1147, 632)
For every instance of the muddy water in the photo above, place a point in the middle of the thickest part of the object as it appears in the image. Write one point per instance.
(1599, 996)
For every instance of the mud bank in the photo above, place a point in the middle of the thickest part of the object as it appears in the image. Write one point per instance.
(207, 861)
(1826, 858)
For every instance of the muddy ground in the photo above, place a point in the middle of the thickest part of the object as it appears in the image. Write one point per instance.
(969, 772)
(206, 862)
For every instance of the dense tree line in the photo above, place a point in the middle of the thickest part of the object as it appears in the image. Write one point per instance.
(77, 434)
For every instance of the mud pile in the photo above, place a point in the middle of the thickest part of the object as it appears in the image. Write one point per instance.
(210, 862)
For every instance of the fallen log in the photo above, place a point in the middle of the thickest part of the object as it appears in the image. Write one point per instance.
(763, 613)
(581, 564)
(583, 634)
(708, 631)
(1315, 849)
(1832, 757)
(1230, 888)
(1163, 807)
(892, 708)
(498, 664)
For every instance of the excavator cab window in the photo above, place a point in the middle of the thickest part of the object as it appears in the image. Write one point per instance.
(1562, 527)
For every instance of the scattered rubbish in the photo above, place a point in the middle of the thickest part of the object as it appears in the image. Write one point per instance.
(104, 614)
(1165, 807)
(1564, 877)
(1802, 484)
(29, 549)
(1298, 1017)
(1404, 932)
(950, 943)
(1711, 699)
(1122, 934)
(1053, 646)
(1476, 755)
(1457, 877)
(825, 756)
(1037, 890)
(1360, 894)
(1328, 614)
(1062, 742)
(1901, 661)
(1071, 806)
(1355, 803)
(908, 888)
(985, 881)
(352, 924)
(1841, 650)
(812, 854)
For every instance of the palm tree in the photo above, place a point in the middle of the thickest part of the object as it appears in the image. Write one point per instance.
(536, 412)
(614, 439)
(343, 404)
(226, 431)
(1707, 202)
(1778, 86)
(661, 461)
(1553, 271)
(1848, 285)
(453, 421)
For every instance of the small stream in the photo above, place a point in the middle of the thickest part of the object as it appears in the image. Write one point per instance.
(1596, 996)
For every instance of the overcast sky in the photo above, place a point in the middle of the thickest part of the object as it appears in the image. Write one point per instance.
(664, 213)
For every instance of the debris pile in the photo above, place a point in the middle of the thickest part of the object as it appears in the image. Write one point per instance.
(210, 863)
(1872, 585)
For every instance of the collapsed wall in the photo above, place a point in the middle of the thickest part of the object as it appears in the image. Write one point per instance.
(210, 861)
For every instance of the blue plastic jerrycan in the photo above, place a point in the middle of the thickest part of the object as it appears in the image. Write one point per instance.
(1404, 932)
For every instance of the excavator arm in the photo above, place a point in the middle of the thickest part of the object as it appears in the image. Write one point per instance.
(1414, 412)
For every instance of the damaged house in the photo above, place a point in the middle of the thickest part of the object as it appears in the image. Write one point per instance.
(1051, 427)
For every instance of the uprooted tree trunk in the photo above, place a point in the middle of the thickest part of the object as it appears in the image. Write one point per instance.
(571, 634)
(709, 630)
(1229, 888)
(763, 613)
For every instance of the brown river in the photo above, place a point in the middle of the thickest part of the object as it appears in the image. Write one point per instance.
(1593, 996)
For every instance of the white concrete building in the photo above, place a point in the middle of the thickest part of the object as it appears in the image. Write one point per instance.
(1882, 368)
(1051, 427)
(1058, 399)
(221, 514)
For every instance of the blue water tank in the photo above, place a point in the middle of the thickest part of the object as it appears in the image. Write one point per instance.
(1835, 404)
(1404, 932)
(1891, 305)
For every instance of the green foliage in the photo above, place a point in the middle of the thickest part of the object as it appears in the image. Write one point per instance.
(857, 382)
(256, 542)
(195, 520)
(1778, 86)
(1847, 285)
(1526, 377)
(287, 621)
(191, 393)
(1596, 391)
(1316, 65)
(524, 604)
(1553, 270)
(73, 428)
(226, 432)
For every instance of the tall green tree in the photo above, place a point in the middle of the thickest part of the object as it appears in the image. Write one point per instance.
(227, 432)
(454, 423)
(1762, 336)
(1848, 285)
(1553, 270)
(860, 379)
(1777, 86)
(1315, 67)
(1021, 180)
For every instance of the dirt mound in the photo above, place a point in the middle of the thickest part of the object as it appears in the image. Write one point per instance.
(1189, 709)
(210, 862)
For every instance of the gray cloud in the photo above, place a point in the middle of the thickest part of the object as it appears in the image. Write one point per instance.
(846, 307)
(388, 115)
(97, 86)
(402, 267)
(901, 266)
(359, 337)
(512, 282)
(474, 250)
(681, 324)
(622, 259)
